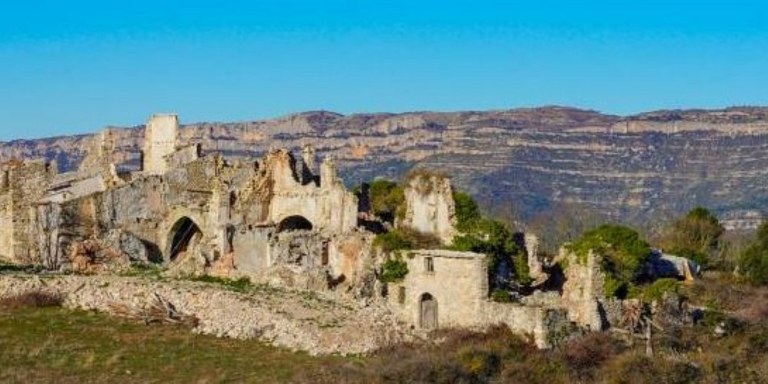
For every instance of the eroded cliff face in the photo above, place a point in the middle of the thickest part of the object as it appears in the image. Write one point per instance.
(632, 169)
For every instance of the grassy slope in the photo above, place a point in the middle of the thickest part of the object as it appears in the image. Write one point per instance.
(51, 344)
(63, 346)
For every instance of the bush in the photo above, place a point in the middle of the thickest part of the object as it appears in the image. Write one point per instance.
(393, 270)
(242, 284)
(405, 238)
(495, 239)
(694, 236)
(501, 296)
(387, 200)
(657, 289)
(623, 252)
(35, 299)
(467, 212)
(392, 241)
(584, 355)
(753, 263)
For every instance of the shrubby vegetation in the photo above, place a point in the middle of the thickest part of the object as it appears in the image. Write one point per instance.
(491, 237)
(753, 264)
(387, 200)
(405, 238)
(393, 270)
(695, 236)
(623, 252)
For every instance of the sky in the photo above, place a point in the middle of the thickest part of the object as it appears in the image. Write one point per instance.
(73, 66)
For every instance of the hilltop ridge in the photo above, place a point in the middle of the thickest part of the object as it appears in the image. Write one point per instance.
(527, 160)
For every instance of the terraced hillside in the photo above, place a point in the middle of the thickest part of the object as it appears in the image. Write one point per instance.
(634, 169)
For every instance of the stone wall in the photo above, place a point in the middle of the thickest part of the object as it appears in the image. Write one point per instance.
(583, 294)
(25, 185)
(458, 282)
(541, 323)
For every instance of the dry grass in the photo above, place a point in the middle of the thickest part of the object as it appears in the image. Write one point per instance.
(50, 344)
(44, 343)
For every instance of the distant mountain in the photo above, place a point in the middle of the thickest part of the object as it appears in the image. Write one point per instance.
(633, 169)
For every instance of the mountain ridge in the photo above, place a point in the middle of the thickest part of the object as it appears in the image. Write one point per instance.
(632, 169)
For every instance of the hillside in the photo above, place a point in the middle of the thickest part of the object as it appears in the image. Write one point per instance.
(634, 169)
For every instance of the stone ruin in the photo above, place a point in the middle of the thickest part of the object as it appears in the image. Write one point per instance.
(276, 220)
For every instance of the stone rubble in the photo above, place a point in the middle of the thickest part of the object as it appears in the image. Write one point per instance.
(299, 320)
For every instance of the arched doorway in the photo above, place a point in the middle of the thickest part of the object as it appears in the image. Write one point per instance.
(294, 223)
(184, 236)
(427, 311)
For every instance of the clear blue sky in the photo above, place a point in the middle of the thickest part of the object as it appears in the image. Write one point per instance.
(76, 66)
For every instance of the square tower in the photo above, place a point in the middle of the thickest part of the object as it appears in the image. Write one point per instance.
(159, 142)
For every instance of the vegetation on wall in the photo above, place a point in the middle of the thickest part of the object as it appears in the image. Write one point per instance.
(491, 237)
(393, 270)
(623, 252)
(405, 238)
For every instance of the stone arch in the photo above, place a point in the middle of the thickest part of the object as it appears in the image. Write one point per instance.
(427, 311)
(294, 223)
(184, 235)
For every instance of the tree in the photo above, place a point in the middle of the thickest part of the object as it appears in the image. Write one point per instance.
(753, 263)
(695, 235)
(623, 252)
(387, 200)
(491, 237)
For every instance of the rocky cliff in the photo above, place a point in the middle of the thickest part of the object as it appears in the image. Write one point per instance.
(633, 169)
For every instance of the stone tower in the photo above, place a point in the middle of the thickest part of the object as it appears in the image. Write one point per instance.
(159, 142)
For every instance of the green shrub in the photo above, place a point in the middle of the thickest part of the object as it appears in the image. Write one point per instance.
(387, 200)
(405, 238)
(494, 239)
(467, 212)
(242, 284)
(393, 270)
(657, 289)
(501, 296)
(623, 252)
(753, 262)
(392, 241)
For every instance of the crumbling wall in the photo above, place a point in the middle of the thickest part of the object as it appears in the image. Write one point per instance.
(543, 323)
(430, 207)
(184, 156)
(349, 257)
(583, 294)
(328, 206)
(26, 184)
(251, 248)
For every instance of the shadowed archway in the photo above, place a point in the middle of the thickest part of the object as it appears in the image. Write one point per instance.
(294, 223)
(184, 235)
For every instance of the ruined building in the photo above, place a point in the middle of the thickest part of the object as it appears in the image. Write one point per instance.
(278, 220)
(196, 214)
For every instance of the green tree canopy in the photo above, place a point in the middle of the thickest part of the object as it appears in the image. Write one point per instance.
(387, 199)
(623, 252)
(695, 235)
(753, 262)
